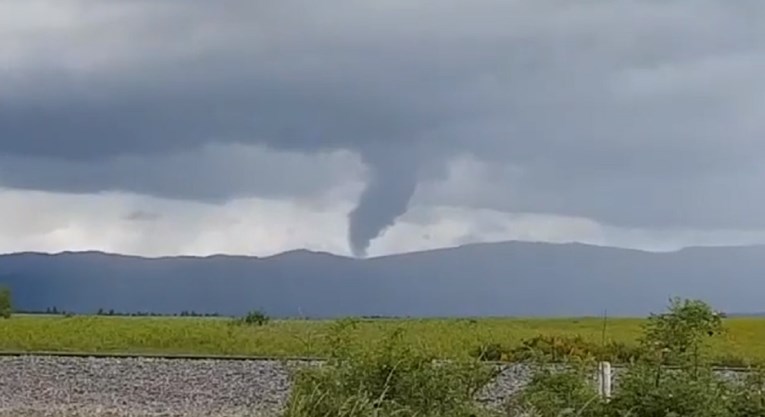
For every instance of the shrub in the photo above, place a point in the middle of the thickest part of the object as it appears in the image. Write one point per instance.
(386, 379)
(680, 335)
(6, 303)
(545, 348)
(648, 388)
(565, 348)
(733, 361)
(747, 399)
(700, 393)
(619, 353)
(254, 318)
(556, 392)
(647, 391)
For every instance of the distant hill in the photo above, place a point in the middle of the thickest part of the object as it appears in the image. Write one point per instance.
(493, 279)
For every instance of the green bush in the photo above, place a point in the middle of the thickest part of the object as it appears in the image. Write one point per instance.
(6, 303)
(254, 318)
(564, 348)
(647, 391)
(747, 399)
(733, 361)
(544, 348)
(556, 392)
(619, 353)
(681, 335)
(649, 387)
(387, 379)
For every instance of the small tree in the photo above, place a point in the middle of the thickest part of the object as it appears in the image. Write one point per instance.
(677, 337)
(680, 335)
(255, 318)
(6, 304)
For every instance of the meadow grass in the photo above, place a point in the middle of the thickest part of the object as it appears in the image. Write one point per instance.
(445, 338)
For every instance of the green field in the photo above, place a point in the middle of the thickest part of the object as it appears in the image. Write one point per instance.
(447, 338)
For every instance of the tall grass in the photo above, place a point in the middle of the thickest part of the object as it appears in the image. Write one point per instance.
(393, 378)
(390, 378)
(442, 338)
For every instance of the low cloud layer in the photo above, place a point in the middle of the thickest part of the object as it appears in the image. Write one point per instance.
(213, 173)
(643, 115)
(150, 226)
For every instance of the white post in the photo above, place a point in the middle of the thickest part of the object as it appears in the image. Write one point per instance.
(604, 380)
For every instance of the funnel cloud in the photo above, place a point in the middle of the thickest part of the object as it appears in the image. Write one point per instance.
(391, 184)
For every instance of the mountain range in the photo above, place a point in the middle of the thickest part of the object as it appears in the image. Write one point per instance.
(489, 279)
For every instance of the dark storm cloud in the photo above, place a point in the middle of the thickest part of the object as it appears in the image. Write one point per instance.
(600, 107)
(214, 173)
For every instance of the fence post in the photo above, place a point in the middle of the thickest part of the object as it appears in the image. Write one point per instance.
(604, 380)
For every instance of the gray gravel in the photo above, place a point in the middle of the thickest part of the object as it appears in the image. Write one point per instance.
(34, 386)
(511, 379)
(57, 386)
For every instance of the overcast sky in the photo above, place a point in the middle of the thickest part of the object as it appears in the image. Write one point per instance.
(197, 127)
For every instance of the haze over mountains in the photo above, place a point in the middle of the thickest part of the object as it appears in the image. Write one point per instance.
(513, 278)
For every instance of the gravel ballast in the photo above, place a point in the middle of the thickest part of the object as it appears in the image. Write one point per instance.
(36, 386)
(72, 386)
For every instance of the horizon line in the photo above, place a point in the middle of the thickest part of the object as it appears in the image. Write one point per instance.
(350, 257)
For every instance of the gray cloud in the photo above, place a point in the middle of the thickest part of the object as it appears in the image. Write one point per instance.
(214, 173)
(630, 113)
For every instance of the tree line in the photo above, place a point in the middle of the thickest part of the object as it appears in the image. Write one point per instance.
(7, 310)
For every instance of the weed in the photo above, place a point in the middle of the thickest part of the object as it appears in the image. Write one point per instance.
(254, 318)
(390, 378)
(649, 388)
(551, 348)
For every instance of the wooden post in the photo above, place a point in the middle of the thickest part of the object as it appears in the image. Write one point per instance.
(604, 380)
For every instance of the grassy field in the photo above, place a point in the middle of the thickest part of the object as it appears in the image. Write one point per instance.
(447, 338)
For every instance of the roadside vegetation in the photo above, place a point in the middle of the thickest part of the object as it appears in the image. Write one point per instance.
(390, 378)
(253, 318)
(671, 376)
